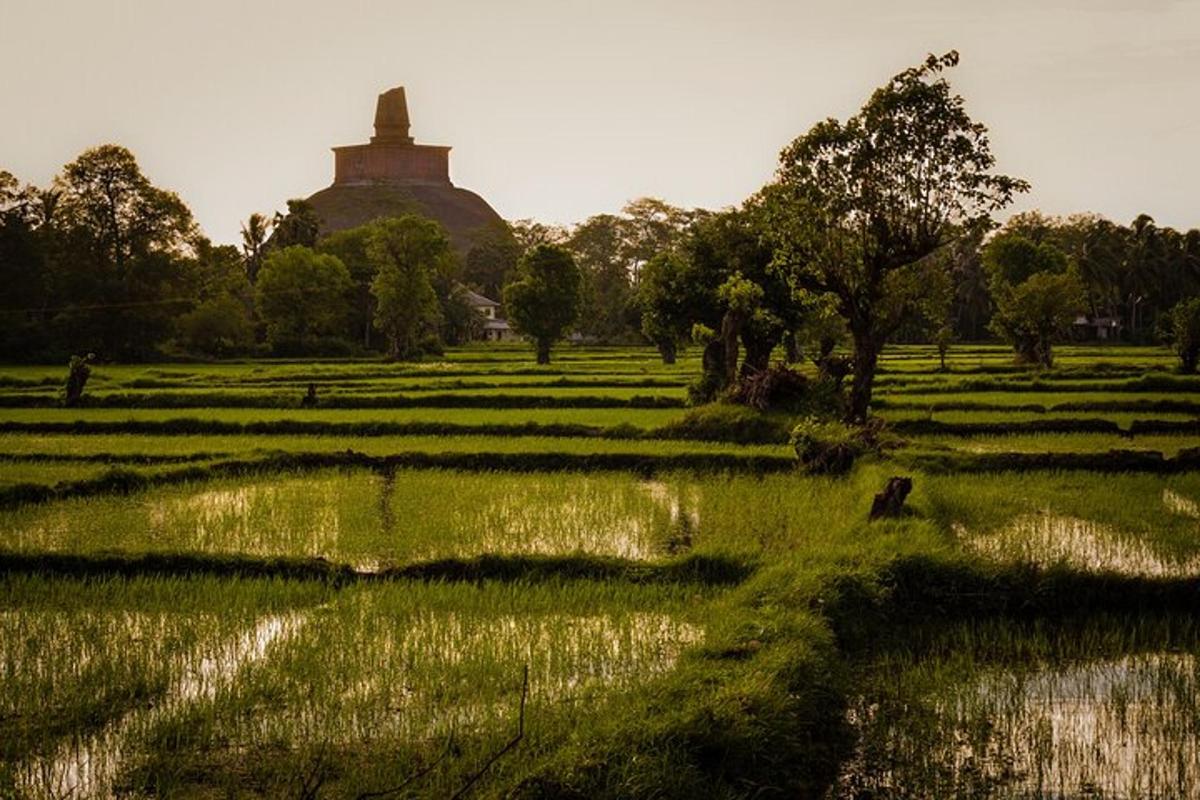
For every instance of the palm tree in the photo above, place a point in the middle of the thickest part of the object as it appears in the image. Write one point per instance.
(254, 238)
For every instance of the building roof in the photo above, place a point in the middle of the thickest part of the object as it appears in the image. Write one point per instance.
(478, 300)
(496, 325)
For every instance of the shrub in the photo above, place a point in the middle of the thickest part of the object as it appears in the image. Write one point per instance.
(828, 447)
(1182, 329)
(773, 387)
(725, 422)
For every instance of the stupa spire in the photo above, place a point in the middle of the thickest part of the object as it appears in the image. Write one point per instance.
(391, 118)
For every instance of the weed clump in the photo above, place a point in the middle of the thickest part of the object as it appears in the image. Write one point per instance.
(726, 422)
(828, 447)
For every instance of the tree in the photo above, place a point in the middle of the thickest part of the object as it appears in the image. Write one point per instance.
(121, 262)
(651, 226)
(857, 206)
(350, 247)
(529, 234)
(1037, 293)
(255, 231)
(1183, 333)
(299, 226)
(543, 301)
(491, 258)
(407, 252)
(219, 326)
(667, 299)
(607, 296)
(461, 321)
(25, 236)
(746, 303)
(301, 295)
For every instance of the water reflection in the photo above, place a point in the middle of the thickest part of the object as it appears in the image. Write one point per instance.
(87, 766)
(1048, 539)
(374, 520)
(390, 680)
(1178, 504)
(1119, 728)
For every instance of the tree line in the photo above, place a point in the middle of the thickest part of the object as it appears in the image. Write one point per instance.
(875, 229)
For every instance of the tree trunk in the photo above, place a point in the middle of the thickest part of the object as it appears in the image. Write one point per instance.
(866, 359)
(758, 353)
(731, 325)
(890, 502)
(1188, 358)
(543, 351)
(791, 348)
(367, 324)
(667, 349)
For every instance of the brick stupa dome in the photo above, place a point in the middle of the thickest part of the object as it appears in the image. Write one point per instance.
(392, 175)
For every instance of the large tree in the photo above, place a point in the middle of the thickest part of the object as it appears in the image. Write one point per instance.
(668, 299)
(407, 253)
(608, 310)
(350, 247)
(491, 258)
(859, 205)
(301, 295)
(1037, 293)
(543, 301)
(123, 253)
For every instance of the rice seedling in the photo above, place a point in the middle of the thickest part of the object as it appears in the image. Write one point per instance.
(1107, 708)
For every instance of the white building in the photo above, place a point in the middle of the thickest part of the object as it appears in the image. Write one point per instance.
(495, 328)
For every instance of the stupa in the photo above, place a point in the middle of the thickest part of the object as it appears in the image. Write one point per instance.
(392, 175)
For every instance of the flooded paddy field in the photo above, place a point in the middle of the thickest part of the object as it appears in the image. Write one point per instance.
(1102, 707)
(198, 599)
(373, 521)
(114, 686)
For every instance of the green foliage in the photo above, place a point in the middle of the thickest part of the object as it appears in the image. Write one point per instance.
(298, 227)
(665, 296)
(301, 295)
(219, 326)
(1183, 333)
(859, 205)
(543, 302)
(350, 247)
(726, 422)
(121, 243)
(1037, 294)
(407, 253)
(491, 259)
(828, 447)
(607, 308)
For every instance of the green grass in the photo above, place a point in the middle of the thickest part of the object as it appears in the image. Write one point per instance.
(1102, 707)
(379, 680)
(374, 521)
(699, 634)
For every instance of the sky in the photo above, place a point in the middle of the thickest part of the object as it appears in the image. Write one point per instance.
(560, 109)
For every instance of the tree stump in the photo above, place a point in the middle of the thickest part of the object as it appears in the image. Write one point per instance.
(890, 502)
(77, 377)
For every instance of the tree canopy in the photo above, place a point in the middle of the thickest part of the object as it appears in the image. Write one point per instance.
(859, 205)
(543, 301)
(301, 296)
(407, 253)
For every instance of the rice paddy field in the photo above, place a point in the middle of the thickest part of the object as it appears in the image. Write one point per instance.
(480, 577)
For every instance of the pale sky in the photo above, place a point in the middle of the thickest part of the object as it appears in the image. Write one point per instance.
(559, 109)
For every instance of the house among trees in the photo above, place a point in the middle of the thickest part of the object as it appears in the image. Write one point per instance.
(494, 328)
(1100, 329)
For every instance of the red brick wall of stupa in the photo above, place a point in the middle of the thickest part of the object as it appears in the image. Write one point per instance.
(400, 163)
